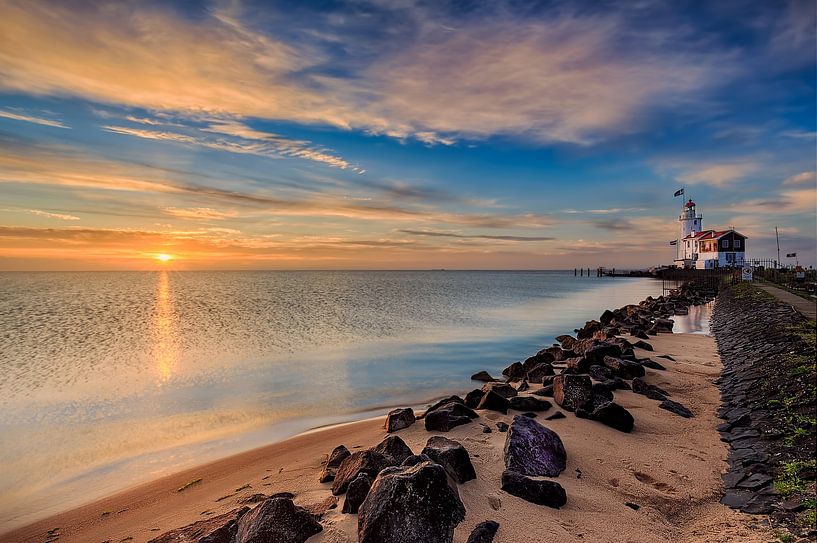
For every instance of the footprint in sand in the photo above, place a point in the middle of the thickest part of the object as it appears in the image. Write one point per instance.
(648, 480)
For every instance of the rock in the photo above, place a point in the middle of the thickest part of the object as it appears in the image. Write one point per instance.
(502, 427)
(597, 350)
(503, 389)
(494, 402)
(255, 498)
(338, 455)
(652, 364)
(567, 342)
(579, 363)
(600, 373)
(532, 449)
(452, 456)
(675, 407)
(216, 529)
(538, 491)
(640, 386)
(279, 520)
(483, 376)
(633, 506)
(472, 398)
(484, 532)
(485, 428)
(607, 317)
(572, 391)
(614, 416)
(397, 419)
(319, 509)
(393, 448)
(601, 395)
(545, 391)
(666, 356)
(555, 416)
(514, 371)
(356, 493)
(522, 386)
(445, 401)
(624, 368)
(368, 462)
(540, 371)
(443, 420)
(639, 333)
(529, 403)
(542, 357)
(529, 414)
(410, 505)
(415, 459)
(643, 345)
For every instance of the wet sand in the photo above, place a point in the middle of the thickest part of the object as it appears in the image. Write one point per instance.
(670, 466)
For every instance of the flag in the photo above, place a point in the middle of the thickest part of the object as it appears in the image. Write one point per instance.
(674, 242)
(678, 192)
(791, 255)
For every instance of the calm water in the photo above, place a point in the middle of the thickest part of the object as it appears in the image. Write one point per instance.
(110, 379)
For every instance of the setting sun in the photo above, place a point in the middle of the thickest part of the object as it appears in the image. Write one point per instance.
(163, 257)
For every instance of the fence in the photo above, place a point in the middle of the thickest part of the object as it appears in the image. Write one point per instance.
(791, 277)
(711, 279)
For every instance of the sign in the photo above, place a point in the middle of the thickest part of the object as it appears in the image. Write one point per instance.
(746, 273)
(791, 255)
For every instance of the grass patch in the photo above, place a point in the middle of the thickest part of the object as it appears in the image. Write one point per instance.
(808, 519)
(790, 482)
(785, 538)
(188, 485)
(749, 292)
(805, 331)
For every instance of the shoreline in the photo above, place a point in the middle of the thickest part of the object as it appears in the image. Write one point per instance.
(292, 465)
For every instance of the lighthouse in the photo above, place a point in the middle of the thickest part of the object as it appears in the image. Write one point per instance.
(706, 249)
(689, 222)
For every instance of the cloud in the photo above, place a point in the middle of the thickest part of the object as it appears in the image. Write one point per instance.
(429, 233)
(801, 179)
(718, 175)
(31, 119)
(199, 213)
(569, 78)
(60, 216)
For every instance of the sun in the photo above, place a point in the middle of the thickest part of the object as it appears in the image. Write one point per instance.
(163, 257)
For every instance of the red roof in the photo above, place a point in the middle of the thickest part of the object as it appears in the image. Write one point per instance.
(712, 234)
(690, 204)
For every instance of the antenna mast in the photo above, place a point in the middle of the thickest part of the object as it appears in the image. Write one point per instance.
(777, 237)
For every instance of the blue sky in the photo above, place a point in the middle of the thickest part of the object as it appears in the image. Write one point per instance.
(373, 134)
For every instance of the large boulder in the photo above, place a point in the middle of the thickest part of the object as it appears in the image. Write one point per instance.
(532, 449)
(538, 491)
(542, 357)
(572, 391)
(445, 401)
(279, 520)
(539, 372)
(368, 462)
(483, 376)
(452, 456)
(393, 448)
(596, 350)
(356, 493)
(579, 363)
(503, 389)
(493, 401)
(338, 455)
(484, 532)
(624, 368)
(397, 419)
(472, 398)
(529, 403)
(444, 417)
(515, 371)
(410, 505)
(614, 416)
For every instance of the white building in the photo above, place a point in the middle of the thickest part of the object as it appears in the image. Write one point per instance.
(706, 249)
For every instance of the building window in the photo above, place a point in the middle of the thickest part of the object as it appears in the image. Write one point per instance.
(737, 244)
(724, 243)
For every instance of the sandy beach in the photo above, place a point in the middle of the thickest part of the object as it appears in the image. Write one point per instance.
(669, 466)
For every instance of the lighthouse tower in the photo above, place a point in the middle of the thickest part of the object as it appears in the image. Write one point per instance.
(689, 222)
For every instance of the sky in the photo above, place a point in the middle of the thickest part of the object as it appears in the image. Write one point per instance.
(374, 134)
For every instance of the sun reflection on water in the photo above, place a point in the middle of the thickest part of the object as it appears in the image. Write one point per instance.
(165, 350)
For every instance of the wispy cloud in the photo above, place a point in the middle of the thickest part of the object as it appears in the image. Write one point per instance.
(430, 233)
(47, 214)
(718, 175)
(803, 178)
(32, 119)
(199, 213)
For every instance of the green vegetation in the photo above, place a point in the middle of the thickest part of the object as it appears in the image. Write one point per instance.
(790, 482)
(188, 485)
(808, 519)
(785, 537)
(747, 291)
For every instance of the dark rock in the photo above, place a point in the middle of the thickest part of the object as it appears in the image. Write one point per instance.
(538, 491)
(319, 509)
(572, 391)
(529, 414)
(484, 532)
(445, 401)
(483, 376)
(542, 357)
(452, 456)
(501, 426)
(639, 333)
(652, 364)
(532, 449)
(666, 356)
(633, 506)
(556, 415)
(486, 429)
(338, 455)
(567, 342)
(415, 459)
(624, 368)
(640, 386)
(579, 363)
(278, 520)
(602, 394)
(393, 448)
(257, 498)
(514, 371)
(356, 493)
(675, 407)
(503, 389)
(643, 345)
(216, 529)
(540, 371)
(529, 403)
(546, 391)
(755, 481)
(522, 386)
(597, 350)
(614, 416)
(493, 401)
(600, 373)
(410, 505)
(472, 398)
(397, 419)
(368, 462)
(443, 420)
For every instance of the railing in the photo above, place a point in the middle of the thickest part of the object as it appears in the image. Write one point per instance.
(767, 269)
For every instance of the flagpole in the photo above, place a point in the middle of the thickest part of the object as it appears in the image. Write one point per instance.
(777, 237)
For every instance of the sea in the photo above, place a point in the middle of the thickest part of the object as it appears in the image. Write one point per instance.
(110, 379)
